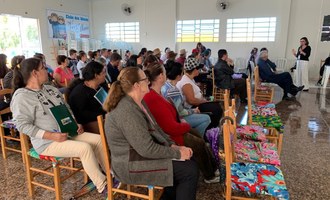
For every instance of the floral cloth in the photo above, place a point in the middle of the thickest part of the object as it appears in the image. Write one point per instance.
(34, 154)
(269, 122)
(8, 124)
(260, 179)
(264, 109)
(261, 152)
(251, 132)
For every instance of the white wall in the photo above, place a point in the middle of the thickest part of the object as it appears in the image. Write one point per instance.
(157, 20)
(37, 9)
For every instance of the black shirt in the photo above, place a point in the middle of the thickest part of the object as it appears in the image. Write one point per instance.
(307, 51)
(83, 104)
(113, 72)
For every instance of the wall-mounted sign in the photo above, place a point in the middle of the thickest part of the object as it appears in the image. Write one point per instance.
(61, 25)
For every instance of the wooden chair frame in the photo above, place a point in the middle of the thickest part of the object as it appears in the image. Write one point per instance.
(259, 94)
(218, 93)
(274, 136)
(229, 159)
(55, 172)
(112, 191)
(12, 135)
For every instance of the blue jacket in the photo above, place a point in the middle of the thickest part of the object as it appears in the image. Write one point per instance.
(265, 69)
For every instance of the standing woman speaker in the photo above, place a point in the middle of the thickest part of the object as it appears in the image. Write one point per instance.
(302, 55)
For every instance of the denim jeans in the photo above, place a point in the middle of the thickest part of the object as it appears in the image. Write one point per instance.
(199, 122)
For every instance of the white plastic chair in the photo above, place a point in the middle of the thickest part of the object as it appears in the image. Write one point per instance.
(240, 65)
(280, 64)
(326, 75)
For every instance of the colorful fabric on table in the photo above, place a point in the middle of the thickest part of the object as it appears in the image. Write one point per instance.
(251, 132)
(252, 151)
(34, 154)
(260, 179)
(269, 122)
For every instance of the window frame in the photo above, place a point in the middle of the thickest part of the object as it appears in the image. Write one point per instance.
(197, 30)
(123, 31)
(258, 29)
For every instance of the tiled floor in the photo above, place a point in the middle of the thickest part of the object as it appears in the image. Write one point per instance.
(305, 155)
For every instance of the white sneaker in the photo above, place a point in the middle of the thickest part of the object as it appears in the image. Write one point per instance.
(216, 179)
(217, 173)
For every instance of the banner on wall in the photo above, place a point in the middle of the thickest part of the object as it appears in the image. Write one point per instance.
(325, 36)
(62, 25)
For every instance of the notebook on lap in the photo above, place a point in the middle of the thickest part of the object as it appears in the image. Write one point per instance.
(65, 120)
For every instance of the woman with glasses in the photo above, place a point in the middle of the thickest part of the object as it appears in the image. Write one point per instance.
(302, 55)
(141, 153)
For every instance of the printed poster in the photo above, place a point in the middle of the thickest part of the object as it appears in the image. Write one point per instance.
(61, 25)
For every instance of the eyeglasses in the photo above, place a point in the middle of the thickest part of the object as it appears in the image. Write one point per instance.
(144, 79)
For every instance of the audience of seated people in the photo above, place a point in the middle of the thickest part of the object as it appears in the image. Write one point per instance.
(31, 105)
(164, 56)
(62, 74)
(267, 73)
(198, 121)
(192, 94)
(141, 153)
(179, 130)
(223, 74)
(80, 96)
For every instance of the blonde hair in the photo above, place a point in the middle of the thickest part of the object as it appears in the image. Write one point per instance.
(126, 79)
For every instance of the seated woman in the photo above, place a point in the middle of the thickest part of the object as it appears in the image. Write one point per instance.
(81, 98)
(192, 94)
(169, 90)
(223, 72)
(62, 74)
(15, 62)
(31, 105)
(167, 118)
(141, 153)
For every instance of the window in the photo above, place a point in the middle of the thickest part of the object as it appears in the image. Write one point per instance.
(251, 29)
(19, 36)
(126, 32)
(205, 30)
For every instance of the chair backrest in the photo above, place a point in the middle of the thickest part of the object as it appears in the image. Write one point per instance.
(228, 151)
(24, 143)
(240, 63)
(1, 84)
(213, 81)
(280, 64)
(256, 77)
(106, 153)
(322, 62)
(249, 99)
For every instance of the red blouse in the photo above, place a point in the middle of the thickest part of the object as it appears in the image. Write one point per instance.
(166, 116)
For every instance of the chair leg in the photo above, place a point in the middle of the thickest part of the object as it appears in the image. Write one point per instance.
(57, 182)
(228, 192)
(279, 143)
(3, 143)
(151, 192)
(129, 188)
(29, 174)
